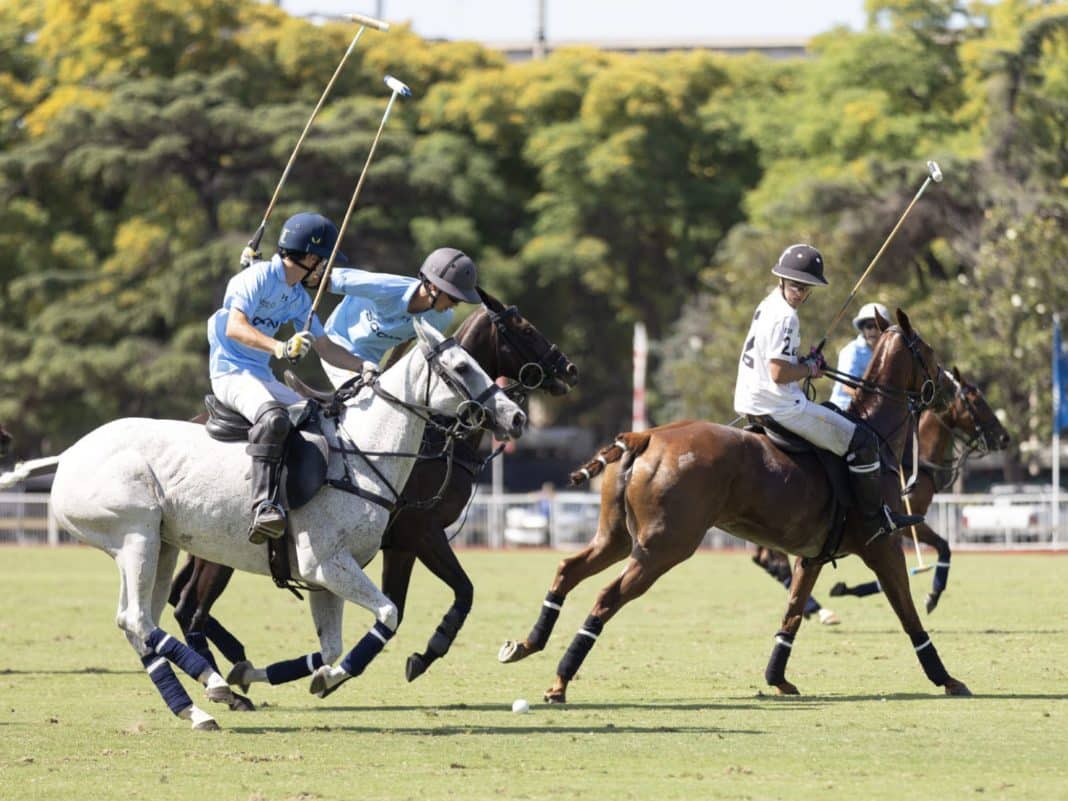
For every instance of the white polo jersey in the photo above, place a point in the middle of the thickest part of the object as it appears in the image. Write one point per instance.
(775, 333)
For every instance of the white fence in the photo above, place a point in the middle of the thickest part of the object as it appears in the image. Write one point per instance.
(568, 520)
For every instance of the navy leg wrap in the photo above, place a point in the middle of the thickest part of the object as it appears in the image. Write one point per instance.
(447, 630)
(811, 606)
(178, 652)
(871, 588)
(293, 669)
(226, 642)
(580, 646)
(550, 611)
(941, 576)
(175, 696)
(929, 658)
(199, 643)
(775, 672)
(366, 649)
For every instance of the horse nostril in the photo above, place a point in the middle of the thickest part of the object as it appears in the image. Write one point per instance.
(572, 372)
(518, 419)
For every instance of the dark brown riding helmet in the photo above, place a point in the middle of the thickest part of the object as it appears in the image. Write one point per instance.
(453, 272)
(801, 263)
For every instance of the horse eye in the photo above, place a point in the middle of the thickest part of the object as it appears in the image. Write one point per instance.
(463, 368)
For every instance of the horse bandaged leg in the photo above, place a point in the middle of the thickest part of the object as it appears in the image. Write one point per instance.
(174, 694)
(543, 627)
(328, 678)
(226, 642)
(929, 658)
(195, 665)
(440, 641)
(198, 641)
(775, 672)
(580, 646)
(293, 669)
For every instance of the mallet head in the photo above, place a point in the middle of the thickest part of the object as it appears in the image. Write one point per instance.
(402, 89)
(934, 172)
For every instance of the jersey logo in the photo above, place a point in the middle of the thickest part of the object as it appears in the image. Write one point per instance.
(265, 321)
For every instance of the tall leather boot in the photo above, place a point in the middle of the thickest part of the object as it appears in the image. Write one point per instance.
(267, 439)
(865, 471)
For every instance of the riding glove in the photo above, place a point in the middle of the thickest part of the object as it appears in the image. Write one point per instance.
(295, 347)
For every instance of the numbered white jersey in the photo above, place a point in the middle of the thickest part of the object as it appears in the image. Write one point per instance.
(775, 333)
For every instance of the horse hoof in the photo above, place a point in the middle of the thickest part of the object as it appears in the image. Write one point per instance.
(206, 725)
(238, 675)
(786, 688)
(932, 601)
(326, 680)
(415, 667)
(512, 651)
(838, 589)
(220, 695)
(201, 720)
(555, 696)
(240, 703)
(958, 689)
(829, 618)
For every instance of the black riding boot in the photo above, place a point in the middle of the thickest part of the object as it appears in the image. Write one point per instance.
(866, 481)
(267, 439)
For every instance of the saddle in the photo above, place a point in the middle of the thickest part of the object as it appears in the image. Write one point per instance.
(833, 466)
(307, 452)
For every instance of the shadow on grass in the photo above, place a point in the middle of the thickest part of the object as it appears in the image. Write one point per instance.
(819, 700)
(667, 706)
(86, 671)
(456, 730)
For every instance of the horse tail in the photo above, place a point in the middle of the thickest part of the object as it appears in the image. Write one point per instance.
(630, 444)
(24, 470)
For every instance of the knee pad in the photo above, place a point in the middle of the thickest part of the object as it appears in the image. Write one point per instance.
(863, 447)
(271, 424)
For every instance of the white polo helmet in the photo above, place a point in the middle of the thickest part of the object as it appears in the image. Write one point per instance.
(867, 312)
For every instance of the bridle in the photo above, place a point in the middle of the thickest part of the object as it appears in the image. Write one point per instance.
(537, 369)
(470, 415)
(964, 444)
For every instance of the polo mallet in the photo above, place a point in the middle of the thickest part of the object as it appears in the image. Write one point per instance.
(920, 566)
(251, 250)
(933, 174)
(398, 88)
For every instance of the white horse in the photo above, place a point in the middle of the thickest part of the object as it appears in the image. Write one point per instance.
(142, 490)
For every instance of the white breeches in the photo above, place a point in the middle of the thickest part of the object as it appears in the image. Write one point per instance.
(245, 393)
(817, 424)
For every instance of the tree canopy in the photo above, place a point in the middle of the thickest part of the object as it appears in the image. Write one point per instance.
(140, 141)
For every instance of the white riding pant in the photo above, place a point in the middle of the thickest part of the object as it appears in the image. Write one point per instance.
(819, 425)
(245, 393)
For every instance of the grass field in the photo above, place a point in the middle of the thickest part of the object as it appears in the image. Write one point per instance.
(669, 705)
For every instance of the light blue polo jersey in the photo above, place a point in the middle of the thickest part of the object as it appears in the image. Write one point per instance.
(373, 316)
(261, 292)
(852, 359)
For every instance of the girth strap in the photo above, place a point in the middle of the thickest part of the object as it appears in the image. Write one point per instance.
(345, 485)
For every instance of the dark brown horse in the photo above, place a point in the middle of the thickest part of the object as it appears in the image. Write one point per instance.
(506, 345)
(664, 488)
(947, 438)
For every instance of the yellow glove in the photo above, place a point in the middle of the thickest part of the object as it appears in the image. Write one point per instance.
(295, 347)
(248, 255)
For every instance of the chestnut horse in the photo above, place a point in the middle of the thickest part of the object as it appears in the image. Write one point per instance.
(946, 440)
(506, 345)
(663, 489)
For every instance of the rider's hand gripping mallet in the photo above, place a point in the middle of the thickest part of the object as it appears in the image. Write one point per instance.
(251, 250)
(933, 174)
(398, 88)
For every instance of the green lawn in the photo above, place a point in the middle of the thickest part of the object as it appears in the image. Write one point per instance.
(670, 704)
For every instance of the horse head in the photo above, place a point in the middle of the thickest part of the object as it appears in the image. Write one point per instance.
(457, 386)
(510, 346)
(969, 412)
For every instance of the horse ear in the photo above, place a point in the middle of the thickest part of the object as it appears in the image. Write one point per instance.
(488, 300)
(881, 322)
(426, 332)
(956, 375)
(904, 322)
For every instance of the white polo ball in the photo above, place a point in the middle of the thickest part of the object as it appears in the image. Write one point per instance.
(520, 706)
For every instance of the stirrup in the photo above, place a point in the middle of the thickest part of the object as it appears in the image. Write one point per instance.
(892, 521)
(268, 522)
